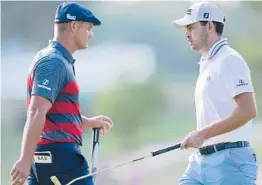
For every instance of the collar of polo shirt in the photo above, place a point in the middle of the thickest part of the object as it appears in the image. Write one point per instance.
(214, 49)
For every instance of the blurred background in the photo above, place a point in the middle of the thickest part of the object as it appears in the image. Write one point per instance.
(138, 69)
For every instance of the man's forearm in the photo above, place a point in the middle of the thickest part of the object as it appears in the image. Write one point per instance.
(32, 131)
(237, 119)
(87, 124)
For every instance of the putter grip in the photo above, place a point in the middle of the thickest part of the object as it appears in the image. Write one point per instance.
(96, 135)
(55, 180)
(158, 152)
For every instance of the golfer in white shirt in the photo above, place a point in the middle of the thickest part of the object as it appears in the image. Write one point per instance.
(225, 105)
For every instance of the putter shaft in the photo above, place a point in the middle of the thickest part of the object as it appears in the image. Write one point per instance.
(152, 154)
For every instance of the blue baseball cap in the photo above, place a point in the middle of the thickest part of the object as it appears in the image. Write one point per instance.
(70, 11)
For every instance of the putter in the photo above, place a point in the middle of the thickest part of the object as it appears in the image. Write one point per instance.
(95, 152)
(55, 180)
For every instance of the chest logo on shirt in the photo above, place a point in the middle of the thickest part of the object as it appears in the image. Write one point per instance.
(208, 78)
(241, 83)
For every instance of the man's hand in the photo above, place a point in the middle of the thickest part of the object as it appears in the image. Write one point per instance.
(103, 122)
(193, 140)
(20, 172)
(35, 122)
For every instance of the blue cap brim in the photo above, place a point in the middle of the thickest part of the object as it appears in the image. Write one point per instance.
(95, 21)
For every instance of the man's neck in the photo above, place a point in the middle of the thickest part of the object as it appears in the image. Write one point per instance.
(210, 44)
(64, 41)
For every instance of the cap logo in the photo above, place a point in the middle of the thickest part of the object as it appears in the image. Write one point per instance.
(189, 11)
(206, 15)
(68, 16)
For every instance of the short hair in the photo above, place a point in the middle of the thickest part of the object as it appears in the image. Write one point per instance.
(218, 26)
(61, 27)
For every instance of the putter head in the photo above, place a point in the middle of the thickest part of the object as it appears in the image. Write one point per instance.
(55, 180)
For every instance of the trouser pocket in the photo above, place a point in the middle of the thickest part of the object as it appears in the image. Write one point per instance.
(245, 162)
(64, 165)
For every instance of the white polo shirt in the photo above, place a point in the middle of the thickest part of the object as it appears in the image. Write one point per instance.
(223, 75)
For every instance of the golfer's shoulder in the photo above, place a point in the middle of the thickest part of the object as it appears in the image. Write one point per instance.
(52, 55)
(231, 57)
(49, 58)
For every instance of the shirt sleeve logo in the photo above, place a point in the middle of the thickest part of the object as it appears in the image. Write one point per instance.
(44, 85)
(241, 83)
(45, 82)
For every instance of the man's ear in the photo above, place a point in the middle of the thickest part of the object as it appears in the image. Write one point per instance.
(211, 25)
(73, 26)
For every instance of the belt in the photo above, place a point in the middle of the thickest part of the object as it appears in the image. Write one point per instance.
(58, 146)
(222, 146)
